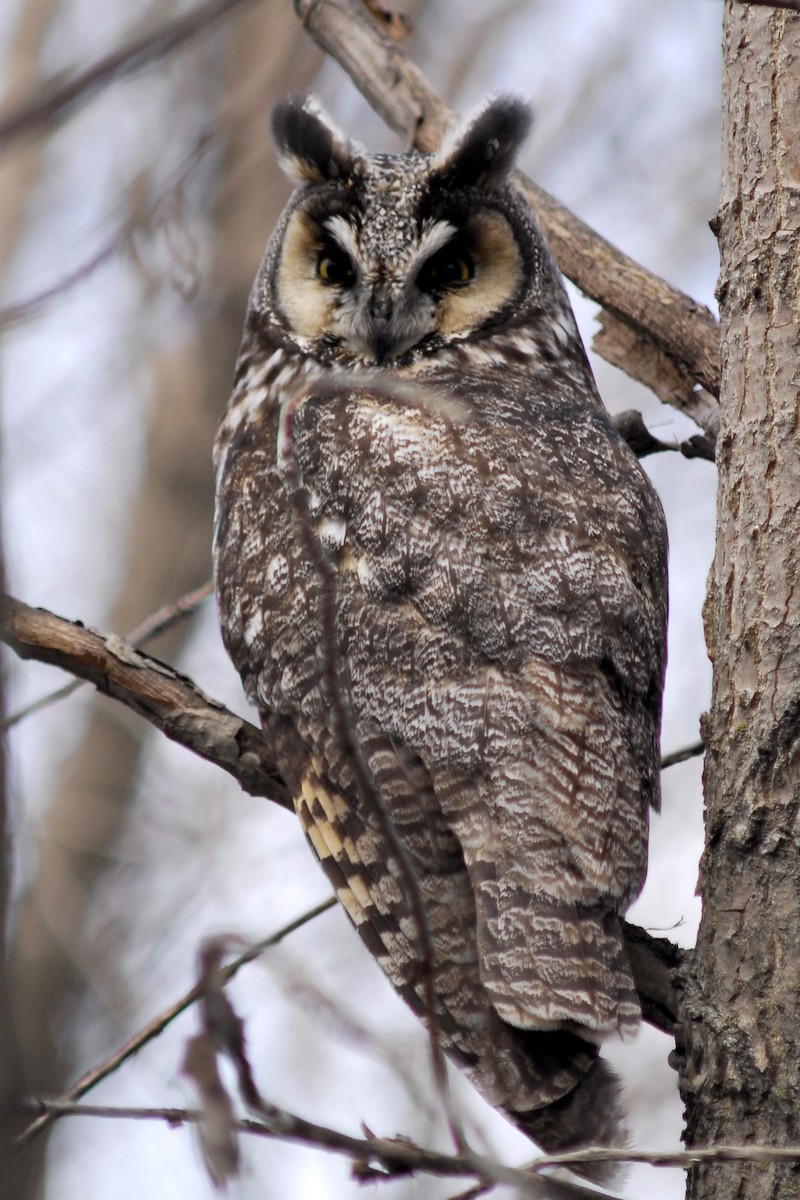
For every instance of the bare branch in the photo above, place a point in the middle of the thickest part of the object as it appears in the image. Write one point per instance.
(401, 1157)
(678, 1158)
(159, 693)
(682, 330)
(159, 1023)
(162, 620)
(373, 1158)
(25, 310)
(54, 101)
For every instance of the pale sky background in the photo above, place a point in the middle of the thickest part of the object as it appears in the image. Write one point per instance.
(626, 101)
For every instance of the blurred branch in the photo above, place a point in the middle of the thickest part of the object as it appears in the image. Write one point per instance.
(25, 310)
(686, 752)
(159, 1023)
(666, 322)
(399, 1157)
(20, 173)
(177, 707)
(374, 1159)
(55, 100)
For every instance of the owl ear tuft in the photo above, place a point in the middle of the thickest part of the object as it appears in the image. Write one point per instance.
(482, 152)
(310, 147)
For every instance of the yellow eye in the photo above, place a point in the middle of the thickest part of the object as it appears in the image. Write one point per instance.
(450, 268)
(334, 268)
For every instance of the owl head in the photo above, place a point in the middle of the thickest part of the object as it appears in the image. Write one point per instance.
(382, 258)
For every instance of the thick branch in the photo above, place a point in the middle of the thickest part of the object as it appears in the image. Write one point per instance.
(661, 316)
(159, 693)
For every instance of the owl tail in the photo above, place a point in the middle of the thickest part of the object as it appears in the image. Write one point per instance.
(591, 1115)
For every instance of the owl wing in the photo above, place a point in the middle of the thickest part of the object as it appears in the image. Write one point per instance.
(512, 1069)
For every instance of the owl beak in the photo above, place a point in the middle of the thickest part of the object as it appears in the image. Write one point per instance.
(385, 327)
(381, 334)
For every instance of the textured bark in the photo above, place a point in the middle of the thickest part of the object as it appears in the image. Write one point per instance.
(741, 1079)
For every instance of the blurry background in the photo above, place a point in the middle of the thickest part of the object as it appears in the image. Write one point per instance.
(129, 236)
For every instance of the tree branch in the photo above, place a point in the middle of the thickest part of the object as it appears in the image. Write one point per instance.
(666, 324)
(374, 1158)
(397, 1157)
(159, 693)
(161, 621)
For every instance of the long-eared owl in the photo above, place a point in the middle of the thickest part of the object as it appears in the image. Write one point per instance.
(442, 577)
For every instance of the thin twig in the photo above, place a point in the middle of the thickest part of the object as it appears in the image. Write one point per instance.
(683, 1159)
(24, 310)
(158, 1024)
(679, 756)
(374, 1158)
(123, 238)
(402, 1157)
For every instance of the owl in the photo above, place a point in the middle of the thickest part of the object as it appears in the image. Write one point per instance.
(442, 577)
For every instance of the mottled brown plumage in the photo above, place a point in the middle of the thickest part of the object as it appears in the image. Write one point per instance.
(426, 521)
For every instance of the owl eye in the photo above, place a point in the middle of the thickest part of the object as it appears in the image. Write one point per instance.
(334, 268)
(451, 267)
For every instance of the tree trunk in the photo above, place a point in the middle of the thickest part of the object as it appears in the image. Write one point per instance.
(741, 1077)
